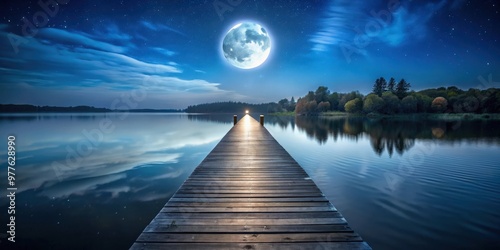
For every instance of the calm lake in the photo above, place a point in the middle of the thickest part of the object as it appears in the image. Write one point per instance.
(94, 181)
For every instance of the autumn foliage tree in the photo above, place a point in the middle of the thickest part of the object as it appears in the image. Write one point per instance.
(439, 104)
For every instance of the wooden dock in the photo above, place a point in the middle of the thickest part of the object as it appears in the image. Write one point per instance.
(249, 193)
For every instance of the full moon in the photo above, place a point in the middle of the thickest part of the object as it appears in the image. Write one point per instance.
(246, 45)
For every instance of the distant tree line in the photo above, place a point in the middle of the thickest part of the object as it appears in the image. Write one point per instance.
(396, 98)
(25, 108)
(234, 107)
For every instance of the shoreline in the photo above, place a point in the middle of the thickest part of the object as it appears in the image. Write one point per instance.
(430, 116)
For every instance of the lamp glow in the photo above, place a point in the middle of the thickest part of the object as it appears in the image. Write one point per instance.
(246, 112)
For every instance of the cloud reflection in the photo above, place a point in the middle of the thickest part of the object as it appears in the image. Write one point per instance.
(143, 150)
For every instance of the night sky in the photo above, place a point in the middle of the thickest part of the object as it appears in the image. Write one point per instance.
(93, 52)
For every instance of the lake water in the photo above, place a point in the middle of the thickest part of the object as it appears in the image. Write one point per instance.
(91, 181)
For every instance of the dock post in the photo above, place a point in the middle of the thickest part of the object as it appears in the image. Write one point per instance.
(262, 120)
(235, 119)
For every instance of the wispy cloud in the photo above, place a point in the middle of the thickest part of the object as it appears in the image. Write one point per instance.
(345, 21)
(57, 60)
(160, 27)
(338, 24)
(409, 26)
(113, 33)
(67, 38)
(165, 52)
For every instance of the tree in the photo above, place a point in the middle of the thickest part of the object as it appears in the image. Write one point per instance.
(354, 106)
(284, 103)
(373, 103)
(323, 106)
(439, 104)
(321, 94)
(402, 88)
(311, 106)
(392, 103)
(433, 93)
(392, 84)
(292, 105)
(409, 104)
(310, 96)
(491, 101)
(423, 102)
(464, 104)
(300, 107)
(334, 101)
(347, 97)
(380, 86)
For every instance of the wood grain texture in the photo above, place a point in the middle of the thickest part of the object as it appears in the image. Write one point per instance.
(249, 193)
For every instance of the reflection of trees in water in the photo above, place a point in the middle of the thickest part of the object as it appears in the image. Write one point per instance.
(26, 118)
(321, 129)
(393, 135)
(282, 121)
(379, 144)
(397, 135)
(218, 118)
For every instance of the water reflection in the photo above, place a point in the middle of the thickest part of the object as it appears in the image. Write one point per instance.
(393, 135)
(404, 179)
(111, 190)
(223, 119)
(56, 149)
(106, 200)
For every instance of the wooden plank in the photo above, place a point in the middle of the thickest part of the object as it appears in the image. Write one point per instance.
(255, 195)
(235, 221)
(249, 193)
(259, 229)
(247, 215)
(254, 246)
(251, 189)
(249, 183)
(248, 204)
(254, 237)
(242, 174)
(217, 190)
(245, 209)
(247, 179)
(300, 199)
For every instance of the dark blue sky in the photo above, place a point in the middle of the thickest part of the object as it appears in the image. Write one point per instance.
(93, 52)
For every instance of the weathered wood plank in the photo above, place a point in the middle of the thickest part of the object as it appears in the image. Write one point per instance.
(249, 193)
(247, 204)
(259, 229)
(235, 222)
(216, 190)
(247, 215)
(245, 209)
(247, 179)
(255, 246)
(301, 199)
(260, 238)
